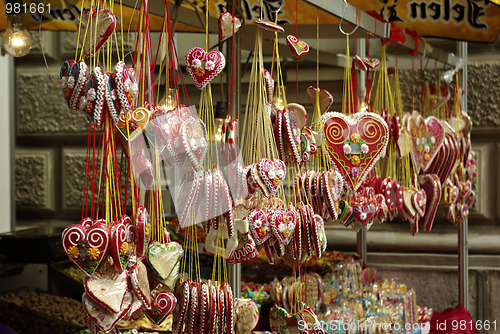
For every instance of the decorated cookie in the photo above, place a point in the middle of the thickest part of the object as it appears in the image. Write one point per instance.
(228, 26)
(203, 66)
(96, 26)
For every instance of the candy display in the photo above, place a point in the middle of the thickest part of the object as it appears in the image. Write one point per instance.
(262, 189)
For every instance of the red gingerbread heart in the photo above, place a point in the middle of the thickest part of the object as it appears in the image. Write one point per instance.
(419, 200)
(95, 28)
(203, 66)
(434, 140)
(108, 288)
(259, 226)
(101, 316)
(162, 305)
(324, 97)
(142, 232)
(86, 246)
(122, 242)
(283, 225)
(417, 131)
(355, 143)
(432, 186)
(298, 47)
(272, 172)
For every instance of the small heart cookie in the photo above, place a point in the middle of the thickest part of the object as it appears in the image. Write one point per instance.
(228, 26)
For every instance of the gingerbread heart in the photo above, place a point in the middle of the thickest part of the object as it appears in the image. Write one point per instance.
(298, 47)
(95, 28)
(437, 97)
(355, 143)
(194, 138)
(259, 226)
(228, 26)
(269, 85)
(271, 26)
(432, 186)
(108, 288)
(165, 258)
(73, 77)
(93, 96)
(419, 201)
(86, 246)
(272, 172)
(322, 96)
(417, 131)
(283, 322)
(190, 190)
(101, 316)
(359, 63)
(132, 123)
(434, 141)
(126, 86)
(245, 251)
(162, 305)
(142, 231)
(291, 135)
(140, 283)
(122, 241)
(180, 311)
(193, 309)
(363, 213)
(371, 63)
(203, 66)
(283, 225)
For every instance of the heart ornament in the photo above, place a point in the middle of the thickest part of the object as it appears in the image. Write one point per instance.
(291, 122)
(162, 305)
(269, 82)
(182, 293)
(194, 139)
(259, 226)
(126, 86)
(108, 288)
(101, 316)
(419, 200)
(86, 246)
(432, 186)
(142, 231)
(371, 63)
(73, 77)
(270, 26)
(363, 213)
(136, 120)
(272, 172)
(165, 258)
(437, 97)
(298, 47)
(140, 283)
(203, 66)
(283, 225)
(354, 143)
(93, 97)
(324, 97)
(417, 131)
(434, 140)
(122, 242)
(284, 323)
(228, 26)
(95, 28)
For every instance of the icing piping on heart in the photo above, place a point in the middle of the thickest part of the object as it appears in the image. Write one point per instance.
(194, 138)
(298, 47)
(355, 143)
(214, 62)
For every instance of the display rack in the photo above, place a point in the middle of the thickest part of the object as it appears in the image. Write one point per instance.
(380, 29)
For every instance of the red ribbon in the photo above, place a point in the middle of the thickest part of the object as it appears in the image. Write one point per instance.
(417, 38)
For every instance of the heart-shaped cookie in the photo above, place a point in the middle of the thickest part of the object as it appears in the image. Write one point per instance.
(73, 77)
(122, 242)
(246, 315)
(359, 63)
(298, 47)
(93, 96)
(259, 226)
(272, 172)
(164, 258)
(194, 138)
(323, 96)
(142, 232)
(419, 201)
(140, 283)
(108, 288)
(190, 190)
(228, 26)
(131, 124)
(363, 213)
(434, 141)
(204, 307)
(162, 305)
(283, 225)
(271, 26)
(95, 28)
(355, 143)
(269, 85)
(203, 66)
(182, 293)
(371, 63)
(283, 322)
(101, 316)
(291, 135)
(432, 186)
(437, 97)
(86, 246)
(126, 86)
(417, 132)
